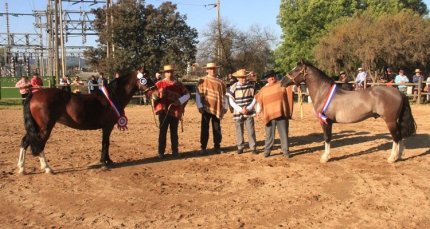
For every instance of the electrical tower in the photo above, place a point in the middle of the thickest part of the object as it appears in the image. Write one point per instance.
(46, 47)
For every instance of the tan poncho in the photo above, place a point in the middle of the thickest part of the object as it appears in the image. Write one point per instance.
(275, 101)
(212, 92)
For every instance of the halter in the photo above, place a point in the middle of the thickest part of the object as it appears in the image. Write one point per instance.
(303, 71)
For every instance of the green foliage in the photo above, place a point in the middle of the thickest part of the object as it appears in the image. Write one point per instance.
(397, 40)
(142, 35)
(305, 22)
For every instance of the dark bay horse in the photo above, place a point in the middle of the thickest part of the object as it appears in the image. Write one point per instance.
(44, 108)
(355, 106)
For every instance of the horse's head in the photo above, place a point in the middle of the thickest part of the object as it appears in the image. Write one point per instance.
(146, 85)
(295, 76)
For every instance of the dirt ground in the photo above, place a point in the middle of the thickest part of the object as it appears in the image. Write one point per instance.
(357, 188)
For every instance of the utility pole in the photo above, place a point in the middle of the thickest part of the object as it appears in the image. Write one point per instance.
(56, 55)
(219, 51)
(63, 56)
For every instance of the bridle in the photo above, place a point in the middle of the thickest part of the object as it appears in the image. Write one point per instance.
(148, 89)
(303, 71)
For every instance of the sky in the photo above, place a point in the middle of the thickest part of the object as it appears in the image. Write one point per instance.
(240, 13)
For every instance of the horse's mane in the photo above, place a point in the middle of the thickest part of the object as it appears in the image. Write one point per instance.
(323, 77)
(114, 85)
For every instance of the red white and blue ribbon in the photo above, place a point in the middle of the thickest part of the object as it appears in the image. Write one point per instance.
(122, 119)
(321, 115)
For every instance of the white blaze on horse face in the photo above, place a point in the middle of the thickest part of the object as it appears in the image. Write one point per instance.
(21, 160)
(43, 164)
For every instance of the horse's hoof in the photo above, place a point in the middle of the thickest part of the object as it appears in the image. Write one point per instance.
(324, 160)
(49, 171)
(21, 171)
(391, 160)
(109, 161)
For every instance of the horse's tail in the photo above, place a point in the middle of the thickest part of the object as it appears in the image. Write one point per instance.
(406, 122)
(31, 128)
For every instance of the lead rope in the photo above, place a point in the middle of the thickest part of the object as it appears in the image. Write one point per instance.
(153, 112)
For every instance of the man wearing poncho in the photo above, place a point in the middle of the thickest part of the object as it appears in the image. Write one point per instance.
(241, 98)
(212, 104)
(169, 106)
(275, 105)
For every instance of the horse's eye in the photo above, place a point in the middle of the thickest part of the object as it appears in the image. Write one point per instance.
(143, 81)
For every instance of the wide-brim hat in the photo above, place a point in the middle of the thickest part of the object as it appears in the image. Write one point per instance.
(241, 73)
(360, 69)
(211, 65)
(417, 70)
(342, 72)
(167, 68)
(268, 74)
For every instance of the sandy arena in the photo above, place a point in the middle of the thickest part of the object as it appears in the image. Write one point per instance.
(357, 188)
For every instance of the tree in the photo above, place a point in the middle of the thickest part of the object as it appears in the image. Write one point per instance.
(304, 22)
(396, 40)
(142, 35)
(249, 49)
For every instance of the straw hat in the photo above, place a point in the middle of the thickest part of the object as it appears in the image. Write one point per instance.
(342, 72)
(211, 65)
(167, 68)
(241, 73)
(360, 69)
(417, 70)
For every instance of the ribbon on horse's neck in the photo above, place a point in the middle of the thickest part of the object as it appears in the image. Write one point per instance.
(122, 119)
(321, 115)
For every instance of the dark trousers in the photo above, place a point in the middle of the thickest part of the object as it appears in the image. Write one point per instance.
(167, 121)
(216, 130)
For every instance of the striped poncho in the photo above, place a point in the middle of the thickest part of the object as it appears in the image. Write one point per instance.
(212, 93)
(275, 101)
(242, 95)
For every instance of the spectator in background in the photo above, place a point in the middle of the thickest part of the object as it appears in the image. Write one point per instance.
(76, 85)
(388, 76)
(65, 83)
(401, 78)
(116, 75)
(344, 79)
(93, 85)
(361, 79)
(102, 81)
(24, 86)
(36, 83)
(428, 89)
(416, 79)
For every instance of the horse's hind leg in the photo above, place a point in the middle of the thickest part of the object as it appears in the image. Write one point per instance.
(21, 158)
(396, 150)
(327, 138)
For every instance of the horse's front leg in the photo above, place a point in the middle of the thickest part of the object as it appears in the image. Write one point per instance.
(21, 159)
(327, 138)
(105, 159)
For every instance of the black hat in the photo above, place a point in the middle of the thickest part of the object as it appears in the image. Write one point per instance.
(269, 73)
